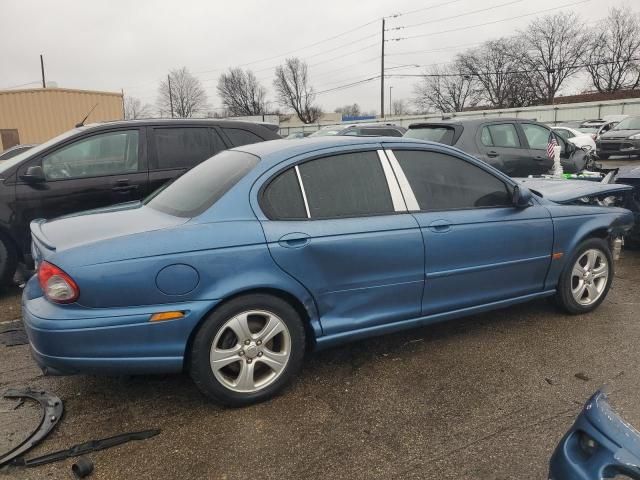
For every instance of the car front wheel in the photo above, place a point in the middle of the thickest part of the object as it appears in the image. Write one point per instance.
(587, 277)
(247, 350)
(8, 261)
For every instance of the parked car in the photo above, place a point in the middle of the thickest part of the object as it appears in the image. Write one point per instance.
(103, 164)
(631, 176)
(623, 139)
(578, 138)
(600, 444)
(16, 150)
(362, 130)
(597, 129)
(297, 135)
(514, 146)
(261, 252)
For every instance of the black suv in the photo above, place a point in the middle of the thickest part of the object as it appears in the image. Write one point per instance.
(102, 164)
(515, 146)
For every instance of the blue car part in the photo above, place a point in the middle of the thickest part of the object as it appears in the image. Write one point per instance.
(599, 445)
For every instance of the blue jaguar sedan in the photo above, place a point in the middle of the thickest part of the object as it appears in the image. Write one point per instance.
(265, 251)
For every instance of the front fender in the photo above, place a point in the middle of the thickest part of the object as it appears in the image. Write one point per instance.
(573, 224)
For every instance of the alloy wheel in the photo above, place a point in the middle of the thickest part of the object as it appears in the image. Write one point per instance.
(250, 351)
(589, 277)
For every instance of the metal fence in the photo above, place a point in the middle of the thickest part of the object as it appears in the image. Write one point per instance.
(550, 114)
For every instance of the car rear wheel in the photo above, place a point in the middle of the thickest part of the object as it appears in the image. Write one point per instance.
(247, 350)
(586, 278)
(8, 261)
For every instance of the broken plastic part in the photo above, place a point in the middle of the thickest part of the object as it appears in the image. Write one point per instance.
(52, 410)
(82, 468)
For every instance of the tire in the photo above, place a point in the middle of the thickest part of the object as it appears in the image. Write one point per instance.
(8, 261)
(249, 371)
(603, 156)
(581, 290)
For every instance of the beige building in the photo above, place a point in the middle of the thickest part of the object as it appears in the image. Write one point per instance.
(36, 115)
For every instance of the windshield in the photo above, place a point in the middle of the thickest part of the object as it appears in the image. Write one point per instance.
(17, 160)
(204, 185)
(433, 133)
(631, 123)
(324, 132)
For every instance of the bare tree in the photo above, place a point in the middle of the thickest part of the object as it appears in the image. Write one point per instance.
(613, 51)
(187, 97)
(349, 110)
(293, 90)
(497, 67)
(133, 108)
(399, 107)
(241, 93)
(553, 51)
(447, 89)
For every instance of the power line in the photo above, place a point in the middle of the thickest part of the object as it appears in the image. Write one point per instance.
(428, 7)
(488, 23)
(413, 25)
(453, 47)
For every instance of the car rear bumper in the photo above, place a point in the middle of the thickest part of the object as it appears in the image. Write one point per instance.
(71, 339)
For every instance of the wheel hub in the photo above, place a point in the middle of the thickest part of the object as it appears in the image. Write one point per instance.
(251, 350)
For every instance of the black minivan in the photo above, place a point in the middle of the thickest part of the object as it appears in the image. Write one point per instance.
(102, 164)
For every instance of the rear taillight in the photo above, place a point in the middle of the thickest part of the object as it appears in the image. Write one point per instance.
(56, 284)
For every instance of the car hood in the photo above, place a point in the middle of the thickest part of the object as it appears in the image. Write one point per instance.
(100, 224)
(611, 134)
(563, 191)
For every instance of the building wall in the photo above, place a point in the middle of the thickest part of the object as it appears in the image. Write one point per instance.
(41, 114)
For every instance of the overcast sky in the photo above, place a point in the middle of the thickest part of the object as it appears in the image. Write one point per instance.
(127, 44)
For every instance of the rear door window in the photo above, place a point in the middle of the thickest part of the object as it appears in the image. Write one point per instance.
(537, 136)
(282, 199)
(183, 147)
(239, 136)
(500, 135)
(444, 182)
(346, 185)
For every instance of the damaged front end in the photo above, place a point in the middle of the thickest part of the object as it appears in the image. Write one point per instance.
(599, 445)
(591, 193)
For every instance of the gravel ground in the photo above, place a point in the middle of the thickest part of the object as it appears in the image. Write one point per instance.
(486, 397)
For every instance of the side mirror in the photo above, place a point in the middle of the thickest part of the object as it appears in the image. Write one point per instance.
(34, 174)
(521, 197)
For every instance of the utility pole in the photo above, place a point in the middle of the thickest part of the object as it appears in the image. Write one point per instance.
(44, 84)
(124, 112)
(390, 107)
(382, 75)
(170, 94)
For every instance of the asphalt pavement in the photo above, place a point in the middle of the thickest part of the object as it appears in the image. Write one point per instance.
(487, 397)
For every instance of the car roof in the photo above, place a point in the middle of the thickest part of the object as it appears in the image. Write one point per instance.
(469, 121)
(183, 121)
(280, 149)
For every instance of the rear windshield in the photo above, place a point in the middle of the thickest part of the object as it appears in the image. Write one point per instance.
(433, 133)
(202, 186)
(631, 123)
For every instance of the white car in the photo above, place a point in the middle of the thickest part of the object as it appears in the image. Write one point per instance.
(578, 138)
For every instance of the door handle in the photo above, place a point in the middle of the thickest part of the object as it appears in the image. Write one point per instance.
(492, 154)
(124, 188)
(294, 240)
(440, 226)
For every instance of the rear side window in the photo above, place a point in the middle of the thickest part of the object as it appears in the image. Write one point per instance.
(502, 135)
(443, 182)
(183, 147)
(282, 199)
(346, 185)
(433, 134)
(202, 186)
(239, 136)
